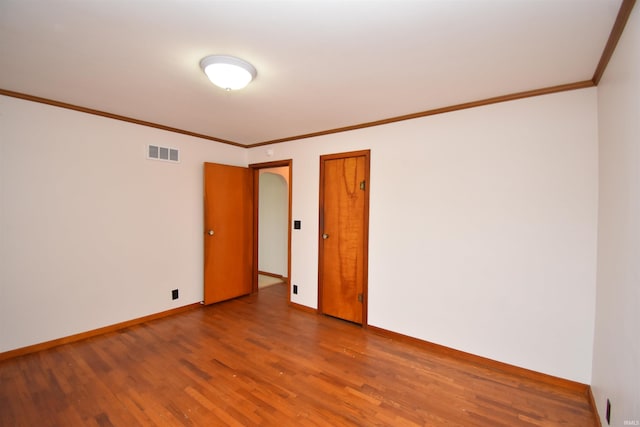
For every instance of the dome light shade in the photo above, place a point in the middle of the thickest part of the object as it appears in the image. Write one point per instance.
(228, 72)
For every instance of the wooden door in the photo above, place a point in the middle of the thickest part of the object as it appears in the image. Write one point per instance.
(228, 232)
(344, 223)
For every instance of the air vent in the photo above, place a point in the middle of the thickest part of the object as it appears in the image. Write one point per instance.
(155, 152)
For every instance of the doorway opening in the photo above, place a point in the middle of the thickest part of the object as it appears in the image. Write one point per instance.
(272, 224)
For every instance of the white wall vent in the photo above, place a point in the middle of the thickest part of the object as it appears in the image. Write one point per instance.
(155, 152)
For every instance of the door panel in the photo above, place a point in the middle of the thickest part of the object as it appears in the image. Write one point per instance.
(228, 233)
(343, 236)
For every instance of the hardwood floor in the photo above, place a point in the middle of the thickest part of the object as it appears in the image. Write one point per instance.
(257, 361)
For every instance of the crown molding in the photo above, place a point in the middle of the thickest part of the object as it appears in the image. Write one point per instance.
(82, 109)
(457, 107)
(614, 37)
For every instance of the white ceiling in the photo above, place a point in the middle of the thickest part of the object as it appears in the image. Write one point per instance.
(321, 64)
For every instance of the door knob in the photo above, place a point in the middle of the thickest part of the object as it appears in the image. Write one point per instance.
(210, 232)
(325, 236)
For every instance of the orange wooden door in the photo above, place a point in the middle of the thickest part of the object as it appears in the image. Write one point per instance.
(344, 208)
(228, 233)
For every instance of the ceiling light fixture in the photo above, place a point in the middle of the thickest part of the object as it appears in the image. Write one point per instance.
(228, 72)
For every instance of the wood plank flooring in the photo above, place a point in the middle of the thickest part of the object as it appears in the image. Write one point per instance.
(257, 361)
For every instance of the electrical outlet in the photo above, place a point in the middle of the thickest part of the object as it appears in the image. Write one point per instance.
(295, 289)
(174, 294)
(607, 415)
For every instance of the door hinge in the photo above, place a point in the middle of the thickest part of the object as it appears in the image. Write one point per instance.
(363, 185)
(360, 297)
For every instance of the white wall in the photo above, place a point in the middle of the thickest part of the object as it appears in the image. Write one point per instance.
(616, 367)
(482, 228)
(91, 232)
(482, 232)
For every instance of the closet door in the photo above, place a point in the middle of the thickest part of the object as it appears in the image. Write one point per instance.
(344, 220)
